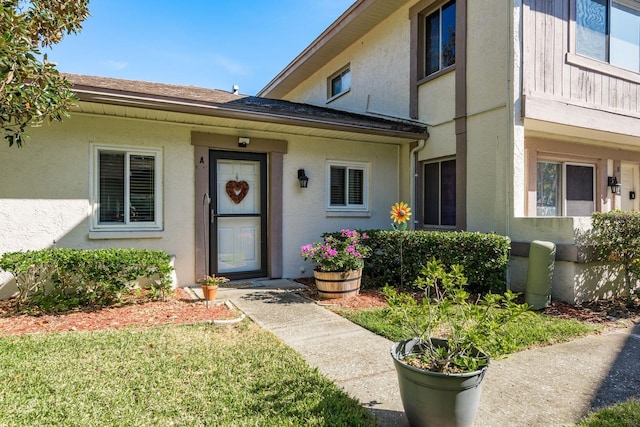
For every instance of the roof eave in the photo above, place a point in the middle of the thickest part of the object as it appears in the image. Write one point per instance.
(87, 94)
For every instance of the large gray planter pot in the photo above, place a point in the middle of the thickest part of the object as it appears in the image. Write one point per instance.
(435, 399)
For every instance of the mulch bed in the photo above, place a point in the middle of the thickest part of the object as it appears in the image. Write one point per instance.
(609, 313)
(178, 308)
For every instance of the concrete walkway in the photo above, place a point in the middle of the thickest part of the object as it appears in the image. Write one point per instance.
(550, 386)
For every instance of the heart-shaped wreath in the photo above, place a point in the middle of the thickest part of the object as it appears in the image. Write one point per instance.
(237, 190)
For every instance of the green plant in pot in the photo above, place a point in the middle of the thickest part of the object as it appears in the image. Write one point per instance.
(441, 367)
(210, 285)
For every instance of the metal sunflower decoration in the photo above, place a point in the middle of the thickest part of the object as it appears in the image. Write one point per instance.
(400, 214)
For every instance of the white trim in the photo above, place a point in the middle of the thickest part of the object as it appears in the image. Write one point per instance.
(365, 167)
(94, 224)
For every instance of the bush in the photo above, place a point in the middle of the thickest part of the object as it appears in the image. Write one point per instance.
(616, 238)
(55, 280)
(484, 257)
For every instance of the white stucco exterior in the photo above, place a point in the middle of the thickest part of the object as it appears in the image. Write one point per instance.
(45, 199)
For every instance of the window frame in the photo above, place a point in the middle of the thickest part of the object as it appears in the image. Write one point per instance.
(348, 165)
(95, 224)
(425, 201)
(562, 185)
(422, 42)
(574, 58)
(338, 75)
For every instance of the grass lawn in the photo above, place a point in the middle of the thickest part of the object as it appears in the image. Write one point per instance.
(625, 414)
(526, 332)
(165, 376)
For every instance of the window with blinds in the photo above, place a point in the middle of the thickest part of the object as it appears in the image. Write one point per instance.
(127, 188)
(347, 185)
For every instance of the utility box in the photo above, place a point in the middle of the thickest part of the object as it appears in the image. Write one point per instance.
(542, 256)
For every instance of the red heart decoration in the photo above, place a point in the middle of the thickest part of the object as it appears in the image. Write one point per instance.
(237, 190)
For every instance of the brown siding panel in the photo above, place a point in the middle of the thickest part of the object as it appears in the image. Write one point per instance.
(547, 69)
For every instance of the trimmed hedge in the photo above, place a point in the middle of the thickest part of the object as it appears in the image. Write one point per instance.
(484, 257)
(54, 280)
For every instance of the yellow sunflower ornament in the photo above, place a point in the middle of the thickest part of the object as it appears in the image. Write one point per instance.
(400, 214)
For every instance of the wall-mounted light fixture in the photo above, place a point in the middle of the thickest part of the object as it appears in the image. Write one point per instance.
(616, 187)
(243, 142)
(303, 178)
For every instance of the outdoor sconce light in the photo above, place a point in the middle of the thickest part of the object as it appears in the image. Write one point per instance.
(302, 178)
(243, 142)
(612, 182)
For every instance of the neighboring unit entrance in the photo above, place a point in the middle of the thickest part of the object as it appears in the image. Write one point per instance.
(630, 180)
(238, 209)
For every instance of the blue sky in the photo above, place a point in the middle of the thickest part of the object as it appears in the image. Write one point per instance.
(207, 43)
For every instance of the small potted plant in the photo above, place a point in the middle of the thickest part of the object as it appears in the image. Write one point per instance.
(210, 286)
(441, 367)
(339, 261)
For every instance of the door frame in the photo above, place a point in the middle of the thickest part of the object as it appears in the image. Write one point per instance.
(275, 150)
(214, 215)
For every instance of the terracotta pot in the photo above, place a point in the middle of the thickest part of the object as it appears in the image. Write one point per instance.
(209, 292)
(340, 284)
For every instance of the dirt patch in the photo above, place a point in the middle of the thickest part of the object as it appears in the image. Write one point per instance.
(178, 308)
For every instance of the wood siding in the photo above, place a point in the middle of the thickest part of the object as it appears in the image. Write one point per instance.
(552, 71)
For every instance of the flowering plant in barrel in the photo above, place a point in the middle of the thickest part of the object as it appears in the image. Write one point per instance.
(342, 253)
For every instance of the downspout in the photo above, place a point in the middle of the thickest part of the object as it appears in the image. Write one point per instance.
(414, 159)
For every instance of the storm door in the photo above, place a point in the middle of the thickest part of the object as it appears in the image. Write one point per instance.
(238, 183)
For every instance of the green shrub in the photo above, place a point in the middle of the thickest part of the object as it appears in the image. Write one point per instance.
(55, 280)
(616, 238)
(397, 257)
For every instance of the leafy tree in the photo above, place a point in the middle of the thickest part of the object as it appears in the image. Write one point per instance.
(31, 89)
(616, 238)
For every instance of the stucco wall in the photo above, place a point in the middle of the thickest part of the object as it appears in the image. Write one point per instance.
(305, 215)
(379, 64)
(45, 192)
(45, 189)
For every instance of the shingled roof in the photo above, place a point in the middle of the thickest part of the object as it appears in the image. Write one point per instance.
(226, 104)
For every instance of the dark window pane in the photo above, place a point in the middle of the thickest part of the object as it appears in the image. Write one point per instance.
(580, 200)
(338, 191)
(356, 186)
(142, 185)
(336, 86)
(432, 43)
(591, 28)
(432, 193)
(449, 34)
(112, 182)
(448, 193)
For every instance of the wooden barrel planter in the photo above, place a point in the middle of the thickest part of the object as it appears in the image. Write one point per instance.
(341, 284)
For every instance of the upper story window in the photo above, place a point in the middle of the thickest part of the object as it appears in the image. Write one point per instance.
(609, 31)
(347, 185)
(127, 189)
(440, 38)
(340, 82)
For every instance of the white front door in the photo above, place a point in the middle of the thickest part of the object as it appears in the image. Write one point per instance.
(630, 180)
(238, 214)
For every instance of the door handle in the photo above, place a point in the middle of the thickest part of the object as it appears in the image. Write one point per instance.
(213, 216)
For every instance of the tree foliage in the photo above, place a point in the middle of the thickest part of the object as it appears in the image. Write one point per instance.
(32, 90)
